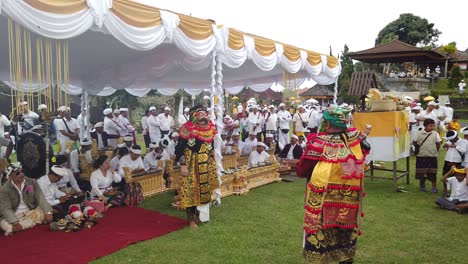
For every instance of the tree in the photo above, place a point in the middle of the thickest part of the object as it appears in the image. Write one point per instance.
(347, 69)
(455, 76)
(410, 29)
(448, 50)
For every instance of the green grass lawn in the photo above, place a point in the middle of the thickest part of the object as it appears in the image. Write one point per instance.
(265, 226)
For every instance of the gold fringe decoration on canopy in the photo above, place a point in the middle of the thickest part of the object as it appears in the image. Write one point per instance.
(45, 62)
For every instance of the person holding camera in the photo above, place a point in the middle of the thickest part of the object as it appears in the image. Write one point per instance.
(426, 147)
(300, 122)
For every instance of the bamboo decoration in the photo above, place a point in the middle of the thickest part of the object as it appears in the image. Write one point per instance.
(50, 71)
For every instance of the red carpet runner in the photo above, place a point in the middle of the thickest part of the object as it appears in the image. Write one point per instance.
(119, 228)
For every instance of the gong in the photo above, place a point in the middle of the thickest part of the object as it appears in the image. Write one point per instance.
(31, 152)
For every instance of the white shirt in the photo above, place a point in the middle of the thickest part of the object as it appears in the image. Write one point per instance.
(298, 119)
(256, 157)
(151, 162)
(125, 125)
(56, 120)
(183, 119)
(165, 122)
(69, 178)
(75, 160)
(453, 154)
(50, 190)
(290, 155)
(144, 125)
(153, 124)
(83, 123)
(240, 145)
(425, 115)
(100, 184)
(72, 127)
(3, 123)
(449, 114)
(127, 161)
(461, 86)
(272, 122)
(249, 145)
(22, 207)
(170, 149)
(255, 122)
(110, 127)
(439, 112)
(244, 123)
(114, 163)
(284, 119)
(459, 190)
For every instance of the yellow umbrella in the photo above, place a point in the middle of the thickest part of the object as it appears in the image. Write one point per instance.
(428, 98)
(298, 101)
(235, 98)
(292, 98)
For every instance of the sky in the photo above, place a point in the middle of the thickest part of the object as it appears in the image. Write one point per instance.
(317, 25)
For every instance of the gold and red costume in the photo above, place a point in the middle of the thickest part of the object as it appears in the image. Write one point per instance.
(195, 148)
(334, 167)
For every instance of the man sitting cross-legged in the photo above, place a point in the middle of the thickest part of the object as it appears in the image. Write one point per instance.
(458, 200)
(22, 203)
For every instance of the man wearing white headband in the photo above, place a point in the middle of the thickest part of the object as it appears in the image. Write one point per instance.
(183, 118)
(85, 149)
(259, 155)
(464, 132)
(255, 122)
(48, 185)
(127, 128)
(456, 150)
(415, 125)
(165, 122)
(271, 121)
(22, 203)
(111, 128)
(100, 135)
(292, 151)
(69, 129)
(170, 149)
(132, 161)
(250, 144)
(300, 122)
(153, 125)
(236, 142)
(128, 141)
(448, 112)
(153, 160)
(284, 118)
(83, 121)
(26, 116)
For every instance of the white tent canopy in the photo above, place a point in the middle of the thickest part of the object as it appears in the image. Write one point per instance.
(111, 49)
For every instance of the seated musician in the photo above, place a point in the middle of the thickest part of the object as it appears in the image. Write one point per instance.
(151, 159)
(22, 203)
(292, 151)
(103, 179)
(302, 142)
(85, 149)
(269, 142)
(259, 155)
(224, 139)
(132, 161)
(250, 144)
(151, 147)
(56, 198)
(128, 141)
(67, 183)
(170, 149)
(99, 135)
(235, 142)
(122, 151)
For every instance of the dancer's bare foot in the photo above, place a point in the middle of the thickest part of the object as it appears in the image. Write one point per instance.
(193, 225)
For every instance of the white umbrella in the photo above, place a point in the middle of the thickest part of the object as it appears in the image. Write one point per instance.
(312, 101)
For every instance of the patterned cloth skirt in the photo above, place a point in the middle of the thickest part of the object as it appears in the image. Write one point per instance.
(330, 245)
(426, 167)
